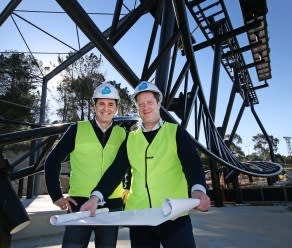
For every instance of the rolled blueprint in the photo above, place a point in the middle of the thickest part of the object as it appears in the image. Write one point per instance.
(170, 210)
(64, 218)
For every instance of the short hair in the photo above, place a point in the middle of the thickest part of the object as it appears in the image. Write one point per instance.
(155, 94)
(95, 100)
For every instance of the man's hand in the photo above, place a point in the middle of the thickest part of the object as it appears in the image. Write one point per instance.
(65, 203)
(125, 195)
(205, 202)
(90, 205)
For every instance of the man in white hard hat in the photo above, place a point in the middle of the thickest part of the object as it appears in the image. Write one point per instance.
(92, 146)
(164, 164)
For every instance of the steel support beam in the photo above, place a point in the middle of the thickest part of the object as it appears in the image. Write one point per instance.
(234, 90)
(167, 28)
(88, 27)
(212, 107)
(11, 6)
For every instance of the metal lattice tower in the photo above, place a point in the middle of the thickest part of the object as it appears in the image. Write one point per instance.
(289, 148)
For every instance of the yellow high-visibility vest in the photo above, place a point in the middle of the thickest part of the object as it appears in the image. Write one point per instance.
(156, 169)
(89, 160)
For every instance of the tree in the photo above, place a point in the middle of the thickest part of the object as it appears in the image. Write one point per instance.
(76, 88)
(126, 104)
(83, 90)
(262, 145)
(234, 146)
(67, 112)
(20, 77)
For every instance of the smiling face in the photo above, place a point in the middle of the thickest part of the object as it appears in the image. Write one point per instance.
(148, 108)
(105, 109)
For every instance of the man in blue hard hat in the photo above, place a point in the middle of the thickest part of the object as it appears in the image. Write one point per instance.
(92, 146)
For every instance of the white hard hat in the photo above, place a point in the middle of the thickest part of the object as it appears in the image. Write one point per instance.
(146, 86)
(106, 90)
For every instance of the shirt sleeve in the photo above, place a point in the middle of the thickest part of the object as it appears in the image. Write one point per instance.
(53, 162)
(190, 160)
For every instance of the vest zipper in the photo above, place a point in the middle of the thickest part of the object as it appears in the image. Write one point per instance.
(146, 181)
(102, 153)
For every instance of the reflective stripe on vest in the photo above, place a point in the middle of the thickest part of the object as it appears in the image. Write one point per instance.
(89, 160)
(156, 169)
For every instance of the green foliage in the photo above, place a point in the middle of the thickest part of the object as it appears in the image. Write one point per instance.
(234, 146)
(262, 146)
(76, 88)
(126, 104)
(20, 77)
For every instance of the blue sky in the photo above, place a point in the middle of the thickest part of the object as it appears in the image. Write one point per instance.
(275, 101)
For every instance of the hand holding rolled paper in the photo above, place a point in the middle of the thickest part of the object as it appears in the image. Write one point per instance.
(171, 209)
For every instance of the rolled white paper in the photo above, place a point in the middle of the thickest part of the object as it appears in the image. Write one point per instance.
(170, 210)
(174, 208)
(63, 218)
